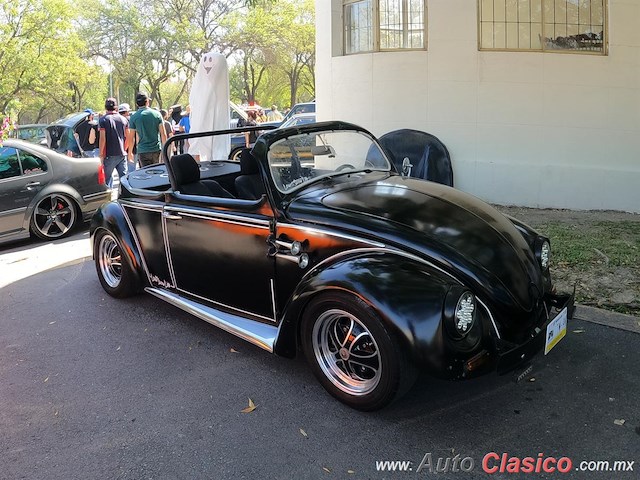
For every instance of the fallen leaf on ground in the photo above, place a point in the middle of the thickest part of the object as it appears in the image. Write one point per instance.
(326, 469)
(304, 434)
(233, 350)
(351, 472)
(619, 422)
(51, 323)
(46, 380)
(532, 379)
(117, 349)
(578, 331)
(250, 408)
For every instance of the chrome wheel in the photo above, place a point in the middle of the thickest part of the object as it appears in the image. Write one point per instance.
(346, 352)
(110, 261)
(54, 216)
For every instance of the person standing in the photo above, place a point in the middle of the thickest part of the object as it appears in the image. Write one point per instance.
(113, 132)
(250, 137)
(168, 129)
(124, 110)
(86, 135)
(148, 125)
(274, 115)
(185, 121)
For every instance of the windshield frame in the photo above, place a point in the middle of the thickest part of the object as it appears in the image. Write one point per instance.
(384, 162)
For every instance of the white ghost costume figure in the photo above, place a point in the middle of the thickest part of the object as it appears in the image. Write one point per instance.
(209, 100)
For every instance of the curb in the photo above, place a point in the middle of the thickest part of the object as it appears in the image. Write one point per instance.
(608, 318)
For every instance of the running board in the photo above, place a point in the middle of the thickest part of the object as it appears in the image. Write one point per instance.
(264, 336)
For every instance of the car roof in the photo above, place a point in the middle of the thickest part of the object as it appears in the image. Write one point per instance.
(70, 120)
(31, 125)
(26, 145)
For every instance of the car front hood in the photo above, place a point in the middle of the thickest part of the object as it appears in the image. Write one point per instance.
(459, 232)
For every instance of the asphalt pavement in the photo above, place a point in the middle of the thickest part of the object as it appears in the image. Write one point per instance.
(97, 388)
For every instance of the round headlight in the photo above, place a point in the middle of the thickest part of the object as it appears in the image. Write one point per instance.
(545, 255)
(464, 316)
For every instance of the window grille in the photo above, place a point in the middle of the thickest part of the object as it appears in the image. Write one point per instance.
(378, 25)
(543, 25)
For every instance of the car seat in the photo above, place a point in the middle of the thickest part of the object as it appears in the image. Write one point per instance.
(428, 155)
(186, 178)
(249, 184)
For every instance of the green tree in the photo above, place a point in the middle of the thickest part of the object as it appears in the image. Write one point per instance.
(41, 53)
(274, 41)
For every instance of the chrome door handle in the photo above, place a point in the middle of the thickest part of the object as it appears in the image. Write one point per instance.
(168, 216)
(32, 184)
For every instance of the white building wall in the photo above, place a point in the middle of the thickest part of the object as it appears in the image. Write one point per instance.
(529, 129)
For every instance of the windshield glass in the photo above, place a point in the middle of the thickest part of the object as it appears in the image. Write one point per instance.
(300, 159)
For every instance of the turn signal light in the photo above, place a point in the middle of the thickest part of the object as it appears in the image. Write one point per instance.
(101, 176)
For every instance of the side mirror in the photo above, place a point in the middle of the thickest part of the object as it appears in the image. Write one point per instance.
(406, 167)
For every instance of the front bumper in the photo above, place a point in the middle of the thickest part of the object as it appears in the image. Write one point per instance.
(511, 356)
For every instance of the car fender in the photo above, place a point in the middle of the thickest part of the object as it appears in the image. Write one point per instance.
(407, 294)
(48, 190)
(111, 216)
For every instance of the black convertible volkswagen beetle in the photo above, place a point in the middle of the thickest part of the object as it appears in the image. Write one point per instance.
(313, 242)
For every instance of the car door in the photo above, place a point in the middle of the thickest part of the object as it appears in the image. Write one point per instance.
(218, 251)
(22, 176)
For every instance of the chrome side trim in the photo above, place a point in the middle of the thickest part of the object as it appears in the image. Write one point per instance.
(141, 206)
(135, 239)
(167, 250)
(273, 299)
(493, 322)
(217, 215)
(92, 196)
(13, 211)
(331, 233)
(229, 307)
(261, 335)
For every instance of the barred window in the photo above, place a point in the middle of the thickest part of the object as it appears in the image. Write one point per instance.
(543, 25)
(378, 25)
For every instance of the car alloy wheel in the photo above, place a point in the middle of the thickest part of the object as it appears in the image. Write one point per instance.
(353, 354)
(54, 216)
(114, 272)
(346, 352)
(109, 260)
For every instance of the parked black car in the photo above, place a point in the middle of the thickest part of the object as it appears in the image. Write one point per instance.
(45, 193)
(314, 243)
(60, 134)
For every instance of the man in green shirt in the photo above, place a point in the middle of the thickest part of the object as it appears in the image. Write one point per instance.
(147, 124)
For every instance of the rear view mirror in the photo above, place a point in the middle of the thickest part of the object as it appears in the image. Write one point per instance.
(323, 150)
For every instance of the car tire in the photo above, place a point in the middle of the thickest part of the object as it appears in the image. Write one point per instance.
(54, 216)
(116, 276)
(353, 354)
(235, 155)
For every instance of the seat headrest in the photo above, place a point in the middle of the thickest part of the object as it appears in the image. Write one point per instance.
(248, 163)
(185, 169)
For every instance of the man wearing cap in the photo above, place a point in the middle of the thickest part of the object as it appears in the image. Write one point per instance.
(148, 126)
(113, 132)
(86, 135)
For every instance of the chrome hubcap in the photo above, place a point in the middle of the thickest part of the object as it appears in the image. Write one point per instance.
(347, 352)
(109, 260)
(54, 216)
